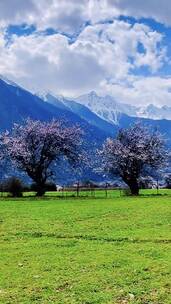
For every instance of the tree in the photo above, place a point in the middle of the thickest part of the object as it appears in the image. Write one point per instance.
(168, 181)
(36, 148)
(132, 153)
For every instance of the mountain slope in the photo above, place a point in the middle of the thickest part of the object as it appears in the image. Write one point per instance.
(109, 109)
(123, 120)
(82, 111)
(163, 125)
(106, 107)
(17, 104)
(154, 112)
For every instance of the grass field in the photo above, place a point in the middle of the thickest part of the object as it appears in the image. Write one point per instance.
(75, 251)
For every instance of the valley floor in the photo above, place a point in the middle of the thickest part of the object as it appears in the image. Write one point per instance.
(85, 251)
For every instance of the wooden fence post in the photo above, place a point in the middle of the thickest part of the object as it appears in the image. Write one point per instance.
(106, 189)
(78, 189)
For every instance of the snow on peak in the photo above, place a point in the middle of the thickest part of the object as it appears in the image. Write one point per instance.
(154, 112)
(106, 107)
(6, 80)
(110, 110)
(46, 95)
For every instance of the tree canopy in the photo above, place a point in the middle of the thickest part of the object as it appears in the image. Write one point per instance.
(35, 147)
(135, 150)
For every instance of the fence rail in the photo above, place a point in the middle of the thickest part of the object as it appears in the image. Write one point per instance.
(85, 192)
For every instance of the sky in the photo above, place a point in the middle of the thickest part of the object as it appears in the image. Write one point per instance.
(71, 47)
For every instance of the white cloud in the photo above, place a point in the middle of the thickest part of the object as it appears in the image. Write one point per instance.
(160, 10)
(101, 52)
(17, 11)
(117, 47)
(50, 63)
(70, 15)
(140, 91)
(62, 15)
(104, 57)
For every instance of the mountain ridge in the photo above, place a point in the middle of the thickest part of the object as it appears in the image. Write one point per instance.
(109, 109)
(17, 103)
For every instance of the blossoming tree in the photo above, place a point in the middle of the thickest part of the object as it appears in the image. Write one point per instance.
(135, 150)
(36, 147)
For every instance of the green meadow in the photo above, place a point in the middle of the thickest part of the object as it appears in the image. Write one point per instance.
(86, 250)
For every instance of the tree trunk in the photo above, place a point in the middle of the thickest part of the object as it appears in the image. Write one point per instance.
(134, 188)
(40, 190)
(132, 184)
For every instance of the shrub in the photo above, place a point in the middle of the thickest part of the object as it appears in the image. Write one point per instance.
(14, 186)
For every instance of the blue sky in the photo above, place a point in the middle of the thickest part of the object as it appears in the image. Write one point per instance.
(71, 47)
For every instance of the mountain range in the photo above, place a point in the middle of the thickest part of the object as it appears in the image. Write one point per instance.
(111, 119)
(17, 104)
(109, 109)
(99, 117)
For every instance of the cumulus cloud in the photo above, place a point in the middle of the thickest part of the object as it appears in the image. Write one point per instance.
(49, 63)
(70, 15)
(63, 15)
(159, 10)
(103, 56)
(140, 91)
(16, 12)
(117, 46)
(101, 52)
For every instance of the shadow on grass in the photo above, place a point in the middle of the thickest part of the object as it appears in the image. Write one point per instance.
(91, 238)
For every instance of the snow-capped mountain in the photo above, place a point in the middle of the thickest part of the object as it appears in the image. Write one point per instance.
(154, 112)
(17, 104)
(103, 121)
(9, 82)
(106, 107)
(110, 110)
(81, 110)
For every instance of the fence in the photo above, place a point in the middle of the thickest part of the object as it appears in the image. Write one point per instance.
(93, 192)
(102, 192)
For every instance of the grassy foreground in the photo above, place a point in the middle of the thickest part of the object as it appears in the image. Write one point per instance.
(109, 251)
